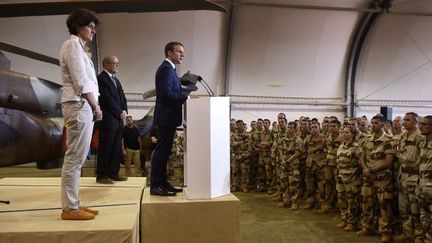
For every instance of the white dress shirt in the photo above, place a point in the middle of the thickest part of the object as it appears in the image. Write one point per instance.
(78, 73)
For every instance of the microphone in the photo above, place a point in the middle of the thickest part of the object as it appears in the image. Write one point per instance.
(190, 79)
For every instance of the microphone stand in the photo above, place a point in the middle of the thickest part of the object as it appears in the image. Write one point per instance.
(206, 86)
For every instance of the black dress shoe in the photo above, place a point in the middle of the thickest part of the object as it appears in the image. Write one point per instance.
(170, 188)
(159, 191)
(119, 178)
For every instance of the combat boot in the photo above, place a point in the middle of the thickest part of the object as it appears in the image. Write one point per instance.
(385, 237)
(308, 206)
(349, 228)
(364, 232)
(341, 225)
(324, 208)
(284, 204)
(400, 237)
(294, 207)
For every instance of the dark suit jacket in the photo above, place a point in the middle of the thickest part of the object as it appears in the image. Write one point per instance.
(169, 99)
(112, 102)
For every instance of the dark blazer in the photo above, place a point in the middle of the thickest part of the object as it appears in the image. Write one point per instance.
(112, 102)
(169, 99)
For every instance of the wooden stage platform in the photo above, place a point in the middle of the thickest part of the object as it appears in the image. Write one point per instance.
(125, 209)
(34, 212)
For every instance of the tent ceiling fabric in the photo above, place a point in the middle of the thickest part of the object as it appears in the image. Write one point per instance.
(43, 8)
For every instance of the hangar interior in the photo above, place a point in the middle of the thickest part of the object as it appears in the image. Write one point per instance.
(312, 58)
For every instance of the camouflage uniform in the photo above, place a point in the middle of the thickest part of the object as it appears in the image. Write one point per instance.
(302, 135)
(254, 157)
(424, 188)
(330, 172)
(349, 182)
(407, 151)
(232, 158)
(280, 174)
(377, 190)
(172, 158)
(314, 147)
(265, 175)
(290, 172)
(274, 157)
(180, 157)
(360, 137)
(240, 164)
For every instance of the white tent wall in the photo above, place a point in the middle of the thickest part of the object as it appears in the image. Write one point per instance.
(139, 40)
(396, 62)
(289, 53)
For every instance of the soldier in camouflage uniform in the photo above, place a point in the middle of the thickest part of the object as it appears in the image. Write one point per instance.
(233, 130)
(172, 158)
(397, 132)
(362, 132)
(332, 143)
(233, 126)
(314, 147)
(274, 152)
(240, 164)
(290, 149)
(281, 173)
(270, 168)
(254, 136)
(304, 131)
(377, 190)
(407, 152)
(264, 162)
(325, 124)
(424, 187)
(180, 157)
(349, 180)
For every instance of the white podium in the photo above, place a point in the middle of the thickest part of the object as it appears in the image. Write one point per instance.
(207, 155)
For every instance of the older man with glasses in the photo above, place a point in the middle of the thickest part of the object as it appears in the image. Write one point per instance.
(113, 104)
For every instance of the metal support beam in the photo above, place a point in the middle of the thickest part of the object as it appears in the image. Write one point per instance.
(228, 53)
(361, 33)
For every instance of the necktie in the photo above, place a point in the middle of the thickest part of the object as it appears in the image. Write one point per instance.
(113, 78)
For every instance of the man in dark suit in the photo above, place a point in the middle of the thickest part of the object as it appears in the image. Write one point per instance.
(167, 116)
(113, 103)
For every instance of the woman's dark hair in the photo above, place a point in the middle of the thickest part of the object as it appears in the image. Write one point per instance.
(79, 18)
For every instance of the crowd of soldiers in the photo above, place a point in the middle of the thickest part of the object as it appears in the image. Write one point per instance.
(176, 159)
(377, 174)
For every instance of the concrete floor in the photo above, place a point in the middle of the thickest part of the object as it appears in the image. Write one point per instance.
(261, 221)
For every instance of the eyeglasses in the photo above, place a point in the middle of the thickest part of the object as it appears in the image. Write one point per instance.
(425, 124)
(91, 26)
(115, 63)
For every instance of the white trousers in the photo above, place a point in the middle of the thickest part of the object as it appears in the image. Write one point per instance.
(79, 123)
